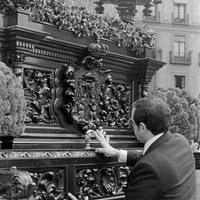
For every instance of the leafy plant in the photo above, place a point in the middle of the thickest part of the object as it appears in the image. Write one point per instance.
(185, 115)
(12, 104)
(84, 24)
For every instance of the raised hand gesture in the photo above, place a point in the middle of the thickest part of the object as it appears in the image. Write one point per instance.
(103, 140)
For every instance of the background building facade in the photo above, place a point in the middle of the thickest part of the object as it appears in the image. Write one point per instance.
(177, 25)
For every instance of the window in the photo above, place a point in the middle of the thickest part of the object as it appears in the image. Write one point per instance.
(179, 47)
(179, 81)
(179, 11)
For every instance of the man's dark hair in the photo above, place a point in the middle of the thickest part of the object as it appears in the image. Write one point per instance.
(153, 112)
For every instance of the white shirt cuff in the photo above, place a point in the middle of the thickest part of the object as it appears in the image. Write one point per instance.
(122, 156)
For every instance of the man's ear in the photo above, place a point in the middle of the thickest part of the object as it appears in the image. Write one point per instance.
(142, 127)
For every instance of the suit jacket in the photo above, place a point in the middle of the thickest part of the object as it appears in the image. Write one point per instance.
(165, 172)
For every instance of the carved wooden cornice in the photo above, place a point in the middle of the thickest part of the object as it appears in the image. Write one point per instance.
(146, 68)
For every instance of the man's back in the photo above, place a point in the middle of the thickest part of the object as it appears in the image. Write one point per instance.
(166, 171)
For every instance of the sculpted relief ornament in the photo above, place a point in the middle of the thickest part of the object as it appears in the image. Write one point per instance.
(85, 95)
(101, 182)
(15, 184)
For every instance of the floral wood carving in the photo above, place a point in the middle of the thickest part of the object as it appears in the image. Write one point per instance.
(101, 182)
(49, 185)
(37, 90)
(86, 95)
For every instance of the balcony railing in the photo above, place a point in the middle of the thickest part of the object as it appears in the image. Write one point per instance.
(180, 21)
(186, 60)
(155, 18)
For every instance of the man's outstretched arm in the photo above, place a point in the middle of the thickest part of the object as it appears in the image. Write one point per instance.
(130, 157)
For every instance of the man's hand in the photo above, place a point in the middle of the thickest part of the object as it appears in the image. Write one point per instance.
(106, 149)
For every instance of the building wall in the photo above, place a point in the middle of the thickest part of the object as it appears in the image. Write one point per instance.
(166, 30)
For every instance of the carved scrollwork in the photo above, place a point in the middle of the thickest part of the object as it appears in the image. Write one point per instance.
(101, 182)
(49, 185)
(22, 185)
(37, 88)
(15, 184)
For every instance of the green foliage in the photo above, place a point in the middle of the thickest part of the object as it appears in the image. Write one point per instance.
(12, 104)
(84, 24)
(185, 115)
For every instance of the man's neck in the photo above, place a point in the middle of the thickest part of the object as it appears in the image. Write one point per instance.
(150, 142)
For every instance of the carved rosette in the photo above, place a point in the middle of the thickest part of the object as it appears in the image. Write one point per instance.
(101, 182)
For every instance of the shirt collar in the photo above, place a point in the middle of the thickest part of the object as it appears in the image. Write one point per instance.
(150, 142)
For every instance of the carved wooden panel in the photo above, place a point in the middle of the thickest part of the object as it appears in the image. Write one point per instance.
(37, 184)
(85, 95)
(38, 88)
(101, 181)
(49, 185)
(50, 175)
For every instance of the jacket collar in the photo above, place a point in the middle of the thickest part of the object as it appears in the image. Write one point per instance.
(159, 141)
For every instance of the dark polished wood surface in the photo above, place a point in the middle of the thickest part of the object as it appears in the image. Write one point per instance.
(54, 153)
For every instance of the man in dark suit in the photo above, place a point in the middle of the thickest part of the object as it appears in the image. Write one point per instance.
(166, 170)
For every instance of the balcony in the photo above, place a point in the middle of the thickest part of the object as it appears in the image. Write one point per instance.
(155, 18)
(184, 60)
(180, 21)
